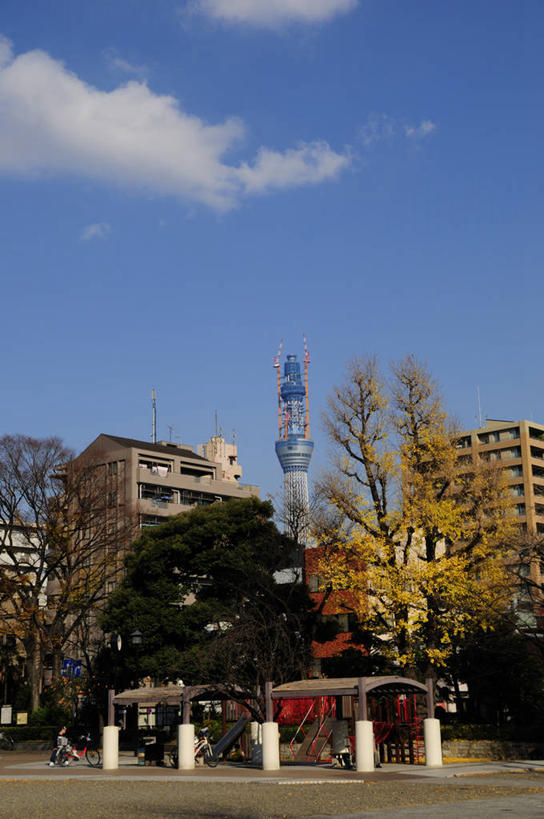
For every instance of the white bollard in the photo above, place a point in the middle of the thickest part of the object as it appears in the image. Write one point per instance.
(364, 745)
(186, 747)
(256, 743)
(271, 747)
(110, 748)
(433, 744)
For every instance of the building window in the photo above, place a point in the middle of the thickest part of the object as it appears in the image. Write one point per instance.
(314, 583)
(517, 490)
(514, 471)
(112, 468)
(158, 495)
(463, 443)
(464, 459)
(519, 509)
(156, 467)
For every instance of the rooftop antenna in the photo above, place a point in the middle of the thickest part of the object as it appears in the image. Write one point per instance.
(277, 367)
(170, 431)
(216, 429)
(233, 435)
(306, 365)
(153, 417)
(479, 407)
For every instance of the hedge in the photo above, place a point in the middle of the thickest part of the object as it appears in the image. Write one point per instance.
(20, 733)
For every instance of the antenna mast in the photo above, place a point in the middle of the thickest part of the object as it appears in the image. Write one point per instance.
(153, 417)
(479, 407)
(306, 365)
(277, 368)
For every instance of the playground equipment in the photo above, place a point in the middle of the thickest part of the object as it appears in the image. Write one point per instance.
(384, 711)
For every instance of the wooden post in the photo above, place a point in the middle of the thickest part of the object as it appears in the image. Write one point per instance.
(268, 704)
(363, 707)
(111, 707)
(430, 697)
(186, 708)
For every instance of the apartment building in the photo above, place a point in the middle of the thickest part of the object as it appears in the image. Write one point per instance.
(157, 480)
(517, 447)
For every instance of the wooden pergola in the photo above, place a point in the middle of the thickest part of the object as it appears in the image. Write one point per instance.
(359, 687)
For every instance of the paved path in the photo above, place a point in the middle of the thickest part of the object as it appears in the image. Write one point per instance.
(29, 789)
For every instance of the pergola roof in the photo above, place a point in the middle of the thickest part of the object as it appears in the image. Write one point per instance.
(347, 686)
(174, 694)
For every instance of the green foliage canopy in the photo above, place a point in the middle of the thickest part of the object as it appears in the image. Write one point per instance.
(202, 590)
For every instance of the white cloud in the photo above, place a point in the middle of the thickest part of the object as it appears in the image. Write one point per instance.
(272, 12)
(420, 131)
(117, 63)
(305, 165)
(53, 122)
(6, 52)
(377, 128)
(97, 231)
(381, 127)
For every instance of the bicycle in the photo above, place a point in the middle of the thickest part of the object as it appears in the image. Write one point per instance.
(202, 749)
(6, 742)
(67, 754)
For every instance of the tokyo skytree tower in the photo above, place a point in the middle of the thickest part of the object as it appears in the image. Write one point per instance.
(294, 447)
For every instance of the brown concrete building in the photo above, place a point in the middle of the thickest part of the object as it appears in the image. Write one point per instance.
(158, 480)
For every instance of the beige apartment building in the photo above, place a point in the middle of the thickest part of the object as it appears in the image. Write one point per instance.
(518, 449)
(155, 481)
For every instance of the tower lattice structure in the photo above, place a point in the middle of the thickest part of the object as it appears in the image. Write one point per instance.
(294, 447)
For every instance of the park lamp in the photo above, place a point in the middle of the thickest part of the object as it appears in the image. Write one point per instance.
(136, 638)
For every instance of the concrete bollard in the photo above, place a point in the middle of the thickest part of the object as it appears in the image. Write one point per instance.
(271, 747)
(364, 745)
(110, 748)
(186, 747)
(433, 745)
(256, 743)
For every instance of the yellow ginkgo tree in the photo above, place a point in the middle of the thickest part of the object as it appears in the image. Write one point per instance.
(420, 538)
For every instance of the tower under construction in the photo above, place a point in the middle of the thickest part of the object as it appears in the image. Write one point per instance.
(294, 447)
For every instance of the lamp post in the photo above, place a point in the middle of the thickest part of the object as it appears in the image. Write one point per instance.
(116, 642)
(136, 638)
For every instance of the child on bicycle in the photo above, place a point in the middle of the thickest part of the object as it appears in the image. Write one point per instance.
(62, 740)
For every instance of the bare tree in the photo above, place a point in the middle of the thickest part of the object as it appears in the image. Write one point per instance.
(62, 540)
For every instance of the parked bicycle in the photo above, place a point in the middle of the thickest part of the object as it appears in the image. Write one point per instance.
(6, 742)
(202, 749)
(67, 754)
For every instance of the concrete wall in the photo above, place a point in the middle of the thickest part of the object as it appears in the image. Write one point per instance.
(492, 749)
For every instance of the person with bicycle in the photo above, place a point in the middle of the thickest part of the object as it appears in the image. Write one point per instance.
(62, 742)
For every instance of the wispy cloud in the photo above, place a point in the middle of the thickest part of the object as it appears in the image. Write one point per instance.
(117, 63)
(382, 128)
(99, 230)
(54, 122)
(377, 128)
(420, 131)
(270, 13)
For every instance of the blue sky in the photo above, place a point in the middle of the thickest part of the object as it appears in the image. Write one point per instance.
(183, 184)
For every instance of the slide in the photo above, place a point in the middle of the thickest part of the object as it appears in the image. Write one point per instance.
(227, 741)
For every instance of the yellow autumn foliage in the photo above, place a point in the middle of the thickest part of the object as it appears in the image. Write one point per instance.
(420, 542)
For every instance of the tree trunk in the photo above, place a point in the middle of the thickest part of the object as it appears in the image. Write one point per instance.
(56, 665)
(34, 669)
